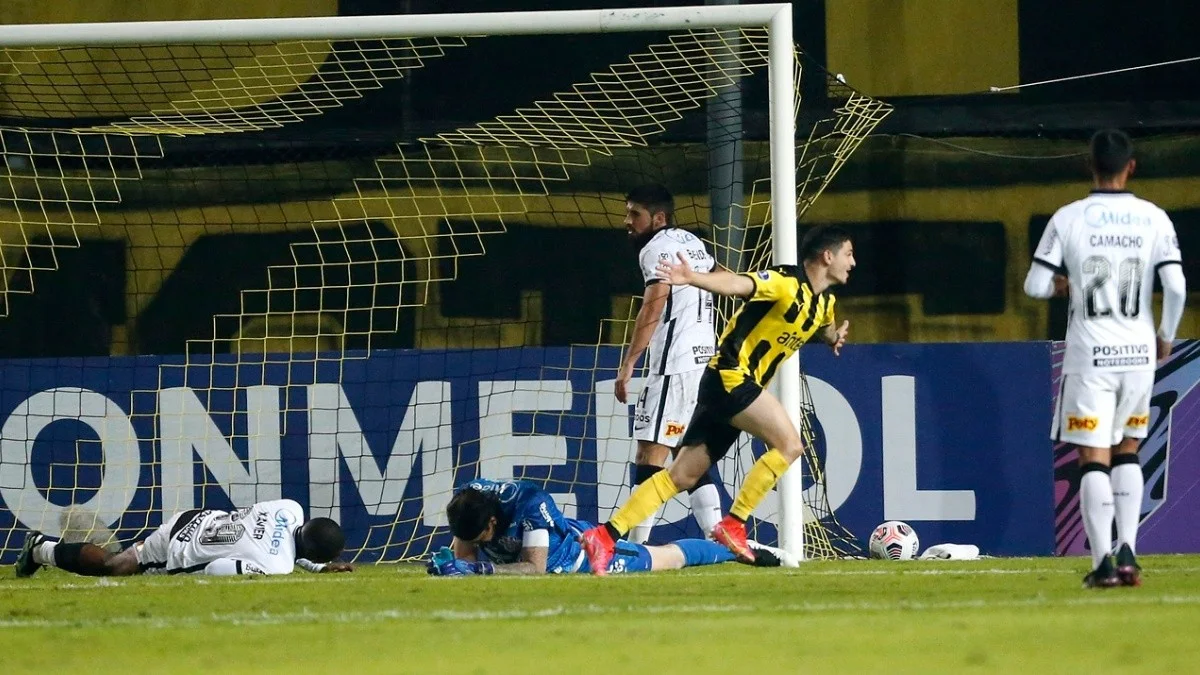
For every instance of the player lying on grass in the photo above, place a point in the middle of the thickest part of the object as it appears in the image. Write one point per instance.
(514, 527)
(267, 538)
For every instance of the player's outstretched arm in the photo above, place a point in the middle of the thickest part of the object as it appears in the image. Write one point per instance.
(323, 568)
(533, 561)
(721, 282)
(227, 567)
(444, 564)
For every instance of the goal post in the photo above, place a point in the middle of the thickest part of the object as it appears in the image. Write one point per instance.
(353, 367)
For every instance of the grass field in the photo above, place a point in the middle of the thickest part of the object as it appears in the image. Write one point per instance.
(996, 615)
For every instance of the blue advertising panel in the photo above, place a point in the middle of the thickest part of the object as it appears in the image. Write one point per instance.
(951, 438)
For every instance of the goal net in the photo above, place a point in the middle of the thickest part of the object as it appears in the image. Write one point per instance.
(240, 270)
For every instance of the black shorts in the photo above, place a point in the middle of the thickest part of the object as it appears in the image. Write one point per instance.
(714, 408)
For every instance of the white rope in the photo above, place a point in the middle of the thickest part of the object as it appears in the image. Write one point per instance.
(1099, 74)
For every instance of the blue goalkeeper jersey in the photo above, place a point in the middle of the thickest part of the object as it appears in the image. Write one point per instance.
(524, 508)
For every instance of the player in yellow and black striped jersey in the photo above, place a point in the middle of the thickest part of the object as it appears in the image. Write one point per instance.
(786, 306)
(781, 314)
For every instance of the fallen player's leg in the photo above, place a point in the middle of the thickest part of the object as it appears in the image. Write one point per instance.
(80, 558)
(629, 557)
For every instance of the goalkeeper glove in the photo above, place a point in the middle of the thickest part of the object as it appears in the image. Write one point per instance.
(444, 564)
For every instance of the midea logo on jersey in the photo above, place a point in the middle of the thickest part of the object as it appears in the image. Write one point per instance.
(283, 522)
(505, 491)
(1098, 215)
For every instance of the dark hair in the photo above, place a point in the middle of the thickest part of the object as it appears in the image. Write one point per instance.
(469, 512)
(321, 540)
(1111, 151)
(820, 239)
(655, 198)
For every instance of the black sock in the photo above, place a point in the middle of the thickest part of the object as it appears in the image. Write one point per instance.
(705, 479)
(66, 557)
(643, 473)
(612, 531)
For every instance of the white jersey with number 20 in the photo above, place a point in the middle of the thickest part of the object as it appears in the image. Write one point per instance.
(1110, 245)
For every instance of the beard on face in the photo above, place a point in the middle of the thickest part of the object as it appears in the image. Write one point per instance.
(639, 241)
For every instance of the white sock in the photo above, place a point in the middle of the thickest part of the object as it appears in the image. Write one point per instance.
(641, 532)
(43, 553)
(1096, 502)
(1128, 486)
(706, 507)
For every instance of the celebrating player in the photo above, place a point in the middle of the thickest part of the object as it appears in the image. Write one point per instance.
(676, 323)
(267, 538)
(1109, 245)
(514, 527)
(785, 307)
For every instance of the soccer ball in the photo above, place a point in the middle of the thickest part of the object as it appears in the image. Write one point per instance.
(894, 540)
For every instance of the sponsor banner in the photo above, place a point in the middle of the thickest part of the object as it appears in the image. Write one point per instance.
(1170, 459)
(950, 438)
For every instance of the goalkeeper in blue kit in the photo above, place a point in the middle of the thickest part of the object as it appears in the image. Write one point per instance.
(514, 527)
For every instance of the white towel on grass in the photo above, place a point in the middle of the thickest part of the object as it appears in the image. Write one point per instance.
(951, 552)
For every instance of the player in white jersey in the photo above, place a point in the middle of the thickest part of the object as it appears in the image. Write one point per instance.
(1106, 249)
(267, 538)
(676, 324)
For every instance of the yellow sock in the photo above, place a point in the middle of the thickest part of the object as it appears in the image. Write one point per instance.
(645, 500)
(759, 481)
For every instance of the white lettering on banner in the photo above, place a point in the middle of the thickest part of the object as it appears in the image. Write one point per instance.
(615, 450)
(122, 461)
(843, 454)
(901, 498)
(500, 451)
(843, 442)
(333, 430)
(187, 432)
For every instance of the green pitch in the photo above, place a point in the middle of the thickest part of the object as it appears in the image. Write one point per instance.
(996, 615)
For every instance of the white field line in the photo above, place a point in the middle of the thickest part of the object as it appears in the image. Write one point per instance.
(1098, 598)
(84, 584)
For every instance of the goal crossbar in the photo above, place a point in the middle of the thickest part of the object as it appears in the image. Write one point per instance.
(398, 26)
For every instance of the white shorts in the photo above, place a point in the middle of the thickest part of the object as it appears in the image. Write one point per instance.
(154, 553)
(665, 407)
(1098, 409)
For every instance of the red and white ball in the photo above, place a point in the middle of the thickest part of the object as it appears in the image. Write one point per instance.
(894, 540)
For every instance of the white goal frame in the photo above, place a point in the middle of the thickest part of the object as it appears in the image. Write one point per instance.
(777, 18)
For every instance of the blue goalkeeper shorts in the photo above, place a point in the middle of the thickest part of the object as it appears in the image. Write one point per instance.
(627, 557)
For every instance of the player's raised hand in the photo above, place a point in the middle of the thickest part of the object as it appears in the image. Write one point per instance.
(839, 338)
(335, 567)
(675, 273)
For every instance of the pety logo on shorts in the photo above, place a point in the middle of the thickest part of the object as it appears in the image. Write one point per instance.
(674, 429)
(1137, 421)
(764, 275)
(1082, 423)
